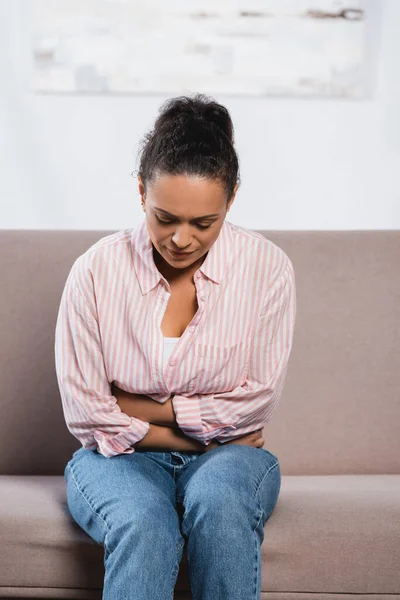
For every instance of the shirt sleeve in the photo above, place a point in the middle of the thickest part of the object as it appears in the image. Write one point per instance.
(228, 415)
(91, 412)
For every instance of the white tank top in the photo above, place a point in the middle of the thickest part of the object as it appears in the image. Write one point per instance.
(169, 344)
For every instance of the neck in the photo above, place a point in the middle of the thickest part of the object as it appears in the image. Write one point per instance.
(171, 273)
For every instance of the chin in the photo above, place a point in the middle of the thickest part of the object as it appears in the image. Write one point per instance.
(180, 263)
(184, 262)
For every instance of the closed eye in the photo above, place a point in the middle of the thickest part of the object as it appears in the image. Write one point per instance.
(169, 223)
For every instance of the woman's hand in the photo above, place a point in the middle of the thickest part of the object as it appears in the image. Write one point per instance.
(254, 438)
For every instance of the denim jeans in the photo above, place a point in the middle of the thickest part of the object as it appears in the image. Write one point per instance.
(143, 507)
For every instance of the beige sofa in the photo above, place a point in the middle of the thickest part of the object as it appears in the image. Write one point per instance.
(335, 530)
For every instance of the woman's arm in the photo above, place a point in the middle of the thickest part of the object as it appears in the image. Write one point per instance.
(145, 408)
(166, 438)
(164, 432)
(90, 411)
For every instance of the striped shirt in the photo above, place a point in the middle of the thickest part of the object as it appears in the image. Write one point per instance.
(225, 373)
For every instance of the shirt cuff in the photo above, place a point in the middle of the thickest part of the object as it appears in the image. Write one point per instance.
(189, 419)
(121, 443)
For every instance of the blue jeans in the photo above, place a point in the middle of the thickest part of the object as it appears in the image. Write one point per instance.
(142, 507)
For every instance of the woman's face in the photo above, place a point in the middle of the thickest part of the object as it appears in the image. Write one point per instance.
(184, 213)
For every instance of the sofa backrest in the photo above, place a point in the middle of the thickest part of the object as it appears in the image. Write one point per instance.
(340, 408)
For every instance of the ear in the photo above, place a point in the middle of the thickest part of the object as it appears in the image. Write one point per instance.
(141, 187)
(232, 197)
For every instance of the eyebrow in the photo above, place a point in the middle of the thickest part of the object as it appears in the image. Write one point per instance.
(196, 219)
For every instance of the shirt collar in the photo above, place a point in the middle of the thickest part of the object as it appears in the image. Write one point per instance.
(148, 275)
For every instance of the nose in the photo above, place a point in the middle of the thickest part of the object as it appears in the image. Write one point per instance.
(181, 239)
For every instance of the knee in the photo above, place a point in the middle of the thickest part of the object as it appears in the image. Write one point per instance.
(146, 517)
(145, 526)
(238, 485)
(214, 505)
(268, 490)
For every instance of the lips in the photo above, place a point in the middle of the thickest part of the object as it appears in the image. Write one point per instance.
(180, 253)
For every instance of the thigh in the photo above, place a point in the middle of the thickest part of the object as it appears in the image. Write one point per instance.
(104, 494)
(231, 474)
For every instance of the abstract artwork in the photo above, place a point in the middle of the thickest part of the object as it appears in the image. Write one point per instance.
(247, 47)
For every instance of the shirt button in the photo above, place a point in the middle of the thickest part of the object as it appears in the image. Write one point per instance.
(198, 275)
(172, 362)
(191, 328)
(203, 298)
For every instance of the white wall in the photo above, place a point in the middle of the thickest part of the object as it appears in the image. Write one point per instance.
(65, 161)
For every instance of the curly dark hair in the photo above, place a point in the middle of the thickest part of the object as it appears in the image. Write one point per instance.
(191, 136)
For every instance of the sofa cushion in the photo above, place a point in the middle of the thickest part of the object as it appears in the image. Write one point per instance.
(327, 534)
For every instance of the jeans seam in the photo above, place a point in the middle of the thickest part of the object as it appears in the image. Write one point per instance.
(175, 572)
(256, 594)
(258, 490)
(90, 506)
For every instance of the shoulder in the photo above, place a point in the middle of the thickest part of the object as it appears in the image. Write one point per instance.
(107, 251)
(271, 259)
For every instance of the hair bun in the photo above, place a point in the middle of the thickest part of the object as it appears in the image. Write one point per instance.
(177, 112)
(192, 135)
(219, 116)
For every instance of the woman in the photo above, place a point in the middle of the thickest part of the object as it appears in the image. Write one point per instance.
(169, 366)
